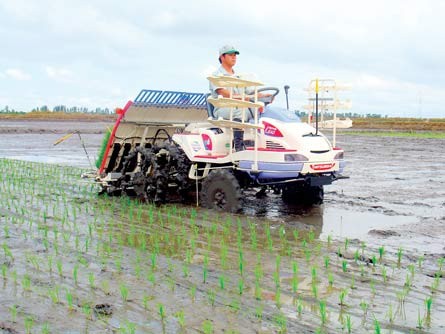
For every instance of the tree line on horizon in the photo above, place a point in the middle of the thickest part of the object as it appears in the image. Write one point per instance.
(98, 110)
(60, 108)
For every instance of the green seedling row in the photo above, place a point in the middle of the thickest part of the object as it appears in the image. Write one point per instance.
(98, 263)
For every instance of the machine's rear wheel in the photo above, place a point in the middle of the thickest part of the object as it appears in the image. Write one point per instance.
(221, 191)
(302, 194)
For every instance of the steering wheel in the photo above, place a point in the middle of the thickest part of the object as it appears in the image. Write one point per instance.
(268, 99)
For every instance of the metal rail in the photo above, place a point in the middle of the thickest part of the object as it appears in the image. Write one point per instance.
(158, 98)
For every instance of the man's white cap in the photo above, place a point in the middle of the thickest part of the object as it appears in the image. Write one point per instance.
(228, 49)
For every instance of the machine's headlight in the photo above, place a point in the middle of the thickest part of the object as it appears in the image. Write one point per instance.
(295, 157)
(339, 156)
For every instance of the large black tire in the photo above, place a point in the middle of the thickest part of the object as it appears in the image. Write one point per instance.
(221, 191)
(302, 194)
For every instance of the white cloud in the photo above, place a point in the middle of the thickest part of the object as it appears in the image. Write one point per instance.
(17, 74)
(59, 74)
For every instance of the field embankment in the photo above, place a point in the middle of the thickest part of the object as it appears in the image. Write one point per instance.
(400, 124)
(389, 123)
(55, 116)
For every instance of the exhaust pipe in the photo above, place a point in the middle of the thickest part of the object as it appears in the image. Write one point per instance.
(286, 90)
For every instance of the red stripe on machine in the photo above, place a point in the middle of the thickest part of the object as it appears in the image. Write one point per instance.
(322, 166)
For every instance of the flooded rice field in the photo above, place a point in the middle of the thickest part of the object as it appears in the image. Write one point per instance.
(369, 260)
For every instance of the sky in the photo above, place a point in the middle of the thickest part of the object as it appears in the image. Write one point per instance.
(101, 53)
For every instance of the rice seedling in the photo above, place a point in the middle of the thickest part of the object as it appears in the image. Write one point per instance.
(419, 320)
(311, 236)
(307, 255)
(326, 261)
(278, 297)
(269, 239)
(331, 279)
(428, 304)
(26, 283)
(241, 262)
(13, 311)
(124, 291)
(193, 292)
(253, 237)
(130, 328)
(259, 311)
(185, 270)
(281, 321)
(401, 295)
(323, 312)
(346, 244)
(299, 307)
(91, 280)
(342, 296)
(258, 292)
(204, 273)
(348, 324)
(408, 281)
(381, 253)
(384, 274)
(59, 267)
(436, 283)
(364, 307)
(4, 271)
(161, 312)
(294, 277)
(240, 286)
(75, 273)
(440, 263)
(69, 299)
(87, 311)
(296, 233)
(207, 327)
(222, 280)
(352, 285)
(390, 314)
(377, 329)
(180, 317)
(412, 269)
(6, 231)
(363, 247)
(29, 324)
(356, 256)
(276, 279)
(45, 328)
(7, 251)
(314, 289)
(54, 294)
(211, 296)
(344, 266)
(339, 252)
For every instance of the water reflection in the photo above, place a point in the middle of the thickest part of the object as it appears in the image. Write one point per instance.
(272, 209)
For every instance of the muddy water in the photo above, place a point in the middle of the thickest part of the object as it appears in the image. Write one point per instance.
(206, 263)
(396, 189)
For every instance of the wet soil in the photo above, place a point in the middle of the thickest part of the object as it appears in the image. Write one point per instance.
(74, 262)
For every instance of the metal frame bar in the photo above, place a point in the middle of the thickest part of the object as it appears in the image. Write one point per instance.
(148, 97)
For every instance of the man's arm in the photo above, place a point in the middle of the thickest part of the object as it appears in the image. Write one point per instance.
(226, 93)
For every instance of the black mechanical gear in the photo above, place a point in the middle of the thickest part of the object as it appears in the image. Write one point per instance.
(169, 170)
(220, 190)
(136, 184)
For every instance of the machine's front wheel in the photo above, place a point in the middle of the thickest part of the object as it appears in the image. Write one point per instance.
(221, 191)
